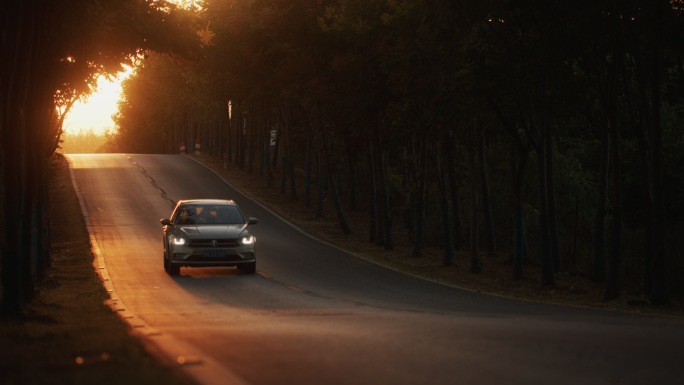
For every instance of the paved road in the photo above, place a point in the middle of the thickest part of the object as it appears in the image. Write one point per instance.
(321, 316)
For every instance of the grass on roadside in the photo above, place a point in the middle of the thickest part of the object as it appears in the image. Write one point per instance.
(68, 319)
(496, 276)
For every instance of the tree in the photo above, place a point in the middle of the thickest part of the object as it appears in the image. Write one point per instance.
(57, 50)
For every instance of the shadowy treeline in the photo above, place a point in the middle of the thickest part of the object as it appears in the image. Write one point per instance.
(86, 142)
(548, 129)
(53, 54)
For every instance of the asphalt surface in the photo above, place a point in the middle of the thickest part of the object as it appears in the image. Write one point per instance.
(317, 315)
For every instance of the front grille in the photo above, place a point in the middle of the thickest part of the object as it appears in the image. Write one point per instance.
(227, 258)
(221, 243)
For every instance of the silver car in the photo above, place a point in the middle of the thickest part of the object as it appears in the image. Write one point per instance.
(208, 233)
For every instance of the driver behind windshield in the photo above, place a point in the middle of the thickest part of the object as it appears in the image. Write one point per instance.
(228, 215)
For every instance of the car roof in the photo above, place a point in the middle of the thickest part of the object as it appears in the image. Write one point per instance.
(225, 202)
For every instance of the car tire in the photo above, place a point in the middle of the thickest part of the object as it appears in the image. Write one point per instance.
(166, 263)
(248, 268)
(173, 269)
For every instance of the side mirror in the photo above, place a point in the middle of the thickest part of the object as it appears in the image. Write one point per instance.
(165, 222)
(252, 221)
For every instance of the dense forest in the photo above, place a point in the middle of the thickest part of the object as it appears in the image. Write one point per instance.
(543, 130)
(547, 131)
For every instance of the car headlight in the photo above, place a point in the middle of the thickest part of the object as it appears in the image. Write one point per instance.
(247, 240)
(179, 241)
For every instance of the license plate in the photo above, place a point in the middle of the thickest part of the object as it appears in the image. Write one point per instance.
(214, 253)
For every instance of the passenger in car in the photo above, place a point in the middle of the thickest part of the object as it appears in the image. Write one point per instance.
(187, 216)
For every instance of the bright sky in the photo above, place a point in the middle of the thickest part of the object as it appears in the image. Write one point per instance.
(98, 110)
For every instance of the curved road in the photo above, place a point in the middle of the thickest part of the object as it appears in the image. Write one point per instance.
(317, 315)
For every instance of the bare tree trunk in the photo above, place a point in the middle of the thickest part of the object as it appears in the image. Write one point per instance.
(352, 179)
(319, 177)
(269, 168)
(459, 238)
(551, 196)
(486, 202)
(447, 247)
(249, 124)
(336, 198)
(386, 210)
(475, 262)
(372, 207)
(377, 163)
(420, 201)
(517, 174)
(307, 178)
(659, 291)
(287, 117)
(600, 221)
(613, 283)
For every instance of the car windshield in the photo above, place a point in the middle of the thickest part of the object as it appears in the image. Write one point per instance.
(209, 214)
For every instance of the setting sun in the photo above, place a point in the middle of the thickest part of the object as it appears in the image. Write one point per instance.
(96, 112)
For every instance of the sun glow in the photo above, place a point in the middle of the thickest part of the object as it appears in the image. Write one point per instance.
(97, 111)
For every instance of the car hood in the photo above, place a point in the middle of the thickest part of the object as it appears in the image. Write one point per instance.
(213, 231)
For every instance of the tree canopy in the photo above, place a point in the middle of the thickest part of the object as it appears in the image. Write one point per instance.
(54, 53)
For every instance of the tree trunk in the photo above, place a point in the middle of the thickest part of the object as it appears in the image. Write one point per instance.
(457, 218)
(229, 154)
(600, 221)
(190, 147)
(283, 170)
(261, 139)
(386, 209)
(28, 192)
(283, 153)
(545, 241)
(545, 237)
(269, 169)
(377, 163)
(659, 287)
(517, 174)
(10, 275)
(220, 138)
(551, 196)
(475, 262)
(13, 100)
(279, 135)
(289, 156)
(351, 157)
(320, 193)
(486, 202)
(338, 172)
(406, 214)
(447, 242)
(250, 143)
(613, 282)
(38, 213)
(641, 132)
(420, 201)
(291, 166)
(372, 207)
(336, 198)
(307, 178)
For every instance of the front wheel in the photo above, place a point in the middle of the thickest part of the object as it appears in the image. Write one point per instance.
(170, 268)
(166, 263)
(247, 268)
(173, 269)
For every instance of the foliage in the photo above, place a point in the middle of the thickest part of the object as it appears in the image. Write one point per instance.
(416, 72)
(84, 142)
